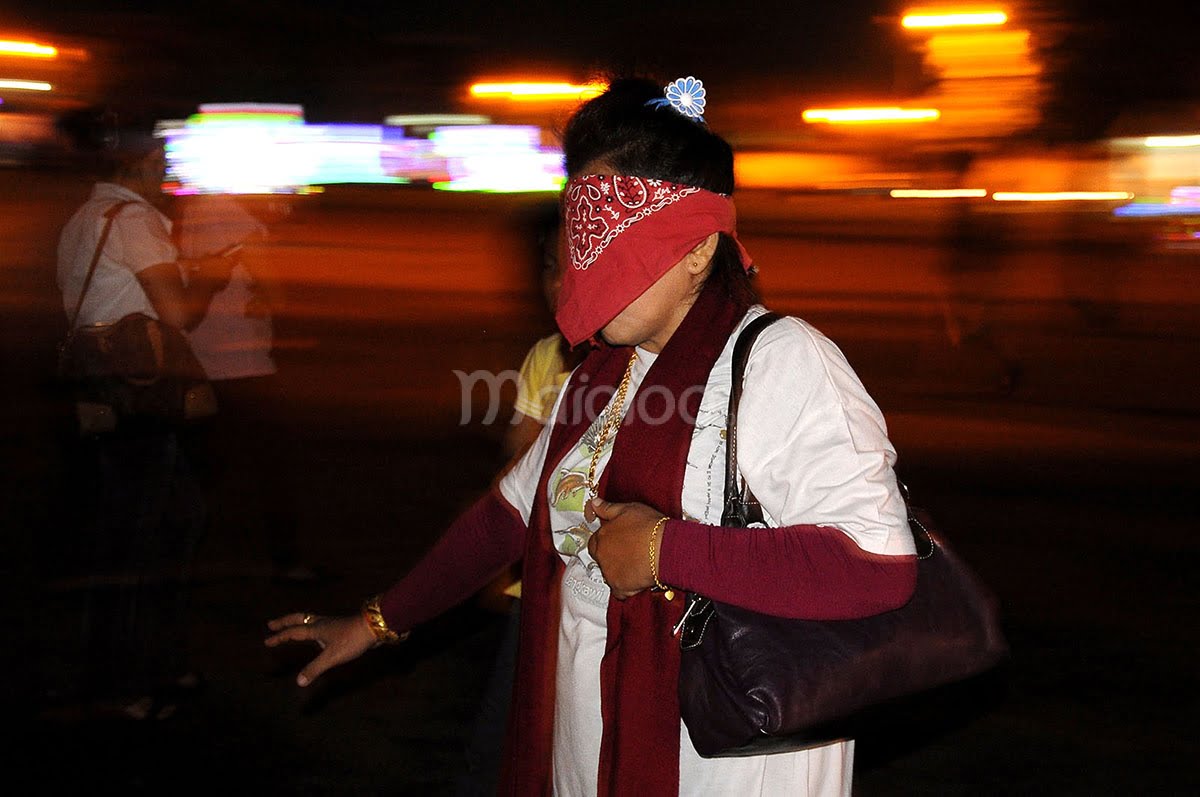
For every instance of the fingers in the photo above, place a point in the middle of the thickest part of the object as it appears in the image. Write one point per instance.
(298, 631)
(607, 510)
(294, 633)
(340, 638)
(288, 620)
(317, 666)
(294, 627)
(338, 652)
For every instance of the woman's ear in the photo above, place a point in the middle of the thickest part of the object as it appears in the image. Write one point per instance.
(701, 254)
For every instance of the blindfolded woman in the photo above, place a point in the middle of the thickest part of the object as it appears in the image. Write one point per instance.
(617, 506)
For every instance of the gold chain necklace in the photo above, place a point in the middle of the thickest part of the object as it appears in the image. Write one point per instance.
(611, 421)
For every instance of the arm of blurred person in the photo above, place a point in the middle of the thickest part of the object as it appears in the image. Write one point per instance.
(182, 304)
(538, 384)
(213, 225)
(269, 294)
(140, 240)
(487, 538)
(521, 434)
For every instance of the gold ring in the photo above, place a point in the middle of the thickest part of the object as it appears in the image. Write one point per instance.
(308, 619)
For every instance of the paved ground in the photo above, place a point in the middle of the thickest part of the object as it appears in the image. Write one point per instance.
(1095, 581)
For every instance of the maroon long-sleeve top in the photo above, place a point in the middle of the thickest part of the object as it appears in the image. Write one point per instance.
(809, 572)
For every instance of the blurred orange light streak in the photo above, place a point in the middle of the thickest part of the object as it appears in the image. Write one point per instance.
(799, 169)
(27, 49)
(533, 92)
(853, 116)
(995, 42)
(982, 54)
(1061, 196)
(25, 85)
(1173, 141)
(938, 193)
(954, 20)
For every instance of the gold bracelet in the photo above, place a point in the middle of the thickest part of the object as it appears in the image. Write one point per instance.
(379, 627)
(667, 592)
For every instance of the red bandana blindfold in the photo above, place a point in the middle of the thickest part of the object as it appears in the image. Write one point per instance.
(624, 233)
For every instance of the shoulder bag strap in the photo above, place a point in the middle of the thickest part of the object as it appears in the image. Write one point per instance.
(741, 508)
(110, 216)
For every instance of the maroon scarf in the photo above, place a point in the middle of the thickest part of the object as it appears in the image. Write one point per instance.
(639, 751)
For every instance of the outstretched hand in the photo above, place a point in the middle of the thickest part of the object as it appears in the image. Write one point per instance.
(341, 639)
(622, 545)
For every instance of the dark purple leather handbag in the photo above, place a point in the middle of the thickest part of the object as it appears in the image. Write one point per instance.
(752, 684)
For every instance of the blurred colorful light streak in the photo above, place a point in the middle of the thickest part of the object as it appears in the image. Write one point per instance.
(1155, 209)
(1184, 201)
(938, 193)
(27, 49)
(497, 158)
(25, 85)
(436, 119)
(538, 92)
(1156, 142)
(852, 116)
(1061, 196)
(248, 113)
(257, 150)
(786, 169)
(953, 19)
(982, 54)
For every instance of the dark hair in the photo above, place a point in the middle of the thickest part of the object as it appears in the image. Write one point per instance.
(541, 222)
(113, 139)
(635, 138)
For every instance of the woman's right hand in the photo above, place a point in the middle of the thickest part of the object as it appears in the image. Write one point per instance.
(341, 639)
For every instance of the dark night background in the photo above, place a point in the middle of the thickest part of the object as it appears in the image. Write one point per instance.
(1058, 447)
(359, 61)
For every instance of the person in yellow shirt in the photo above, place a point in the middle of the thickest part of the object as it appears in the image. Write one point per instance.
(541, 376)
(545, 369)
(549, 361)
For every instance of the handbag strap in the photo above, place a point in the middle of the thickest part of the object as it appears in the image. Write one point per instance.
(110, 216)
(741, 507)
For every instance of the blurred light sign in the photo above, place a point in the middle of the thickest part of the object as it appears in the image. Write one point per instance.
(959, 19)
(25, 85)
(265, 149)
(853, 116)
(498, 158)
(435, 119)
(1062, 196)
(1184, 201)
(1156, 142)
(27, 49)
(534, 91)
(938, 193)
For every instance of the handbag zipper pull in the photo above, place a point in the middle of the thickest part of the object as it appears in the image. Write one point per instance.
(692, 600)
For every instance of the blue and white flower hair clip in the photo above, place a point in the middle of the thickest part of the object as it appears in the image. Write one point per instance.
(685, 95)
